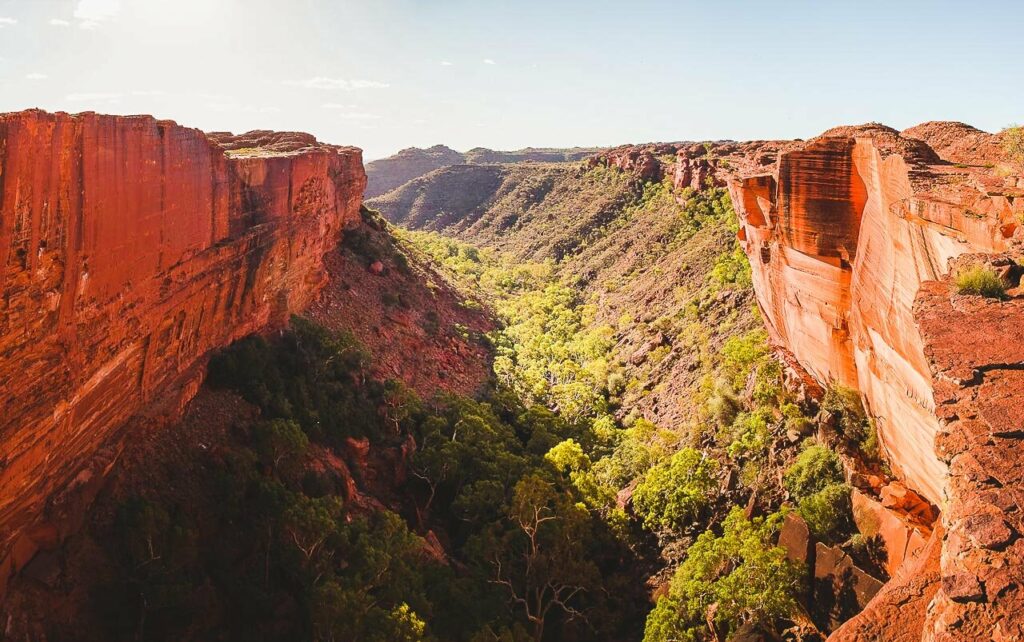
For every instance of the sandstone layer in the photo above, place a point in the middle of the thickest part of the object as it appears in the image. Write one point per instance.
(852, 237)
(840, 236)
(129, 249)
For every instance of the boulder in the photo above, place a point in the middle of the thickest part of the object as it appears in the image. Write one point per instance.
(840, 589)
(901, 536)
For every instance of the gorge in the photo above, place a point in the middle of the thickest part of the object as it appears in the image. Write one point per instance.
(132, 250)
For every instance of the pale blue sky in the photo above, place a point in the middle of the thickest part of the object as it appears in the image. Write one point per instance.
(387, 74)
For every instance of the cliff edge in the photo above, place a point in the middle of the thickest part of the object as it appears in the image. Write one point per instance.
(852, 237)
(129, 249)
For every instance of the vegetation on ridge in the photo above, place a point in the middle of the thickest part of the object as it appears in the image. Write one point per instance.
(980, 281)
(1013, 143)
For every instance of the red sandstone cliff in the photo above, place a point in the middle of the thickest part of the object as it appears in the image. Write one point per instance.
(851, 237)
(129, 249)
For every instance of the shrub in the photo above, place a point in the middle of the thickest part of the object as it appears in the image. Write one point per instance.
(749, 578)
(740, 355)
(673, 494)
(1013, 143)
(750, 434)
(846, 405)
(724, 405)
(828, 512)
(731, 268)
(980, 281)
(814, 469)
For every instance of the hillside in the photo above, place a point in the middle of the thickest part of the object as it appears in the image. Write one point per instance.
(394, 171)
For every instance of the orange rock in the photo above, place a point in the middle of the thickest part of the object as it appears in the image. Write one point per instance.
(897, 612)
(129, 249)
(902, 538)
(852, 237)
(840, 236)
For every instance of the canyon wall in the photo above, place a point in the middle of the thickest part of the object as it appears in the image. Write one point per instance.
(852, 237)
(840, 236)
(129, 249)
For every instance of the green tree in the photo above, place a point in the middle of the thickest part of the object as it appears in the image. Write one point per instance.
(814, 468)
(828, 512)
(674, 493)
(280, 443)
(541, 562)
(740, 571)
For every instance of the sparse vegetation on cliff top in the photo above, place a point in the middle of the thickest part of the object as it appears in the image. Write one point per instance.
(980, 281)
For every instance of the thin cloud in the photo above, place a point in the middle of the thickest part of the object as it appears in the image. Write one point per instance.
(239, 108)
(94, 98)
(337, 84)
(95, 11)
(488, 61)
(5, 22)
(57, 22)
(36, 76)
(358, 116)
(337, 106)
(447, 63)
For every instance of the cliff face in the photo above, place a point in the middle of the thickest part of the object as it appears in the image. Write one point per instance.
(851, 237)
(841, 235)
(129, 249)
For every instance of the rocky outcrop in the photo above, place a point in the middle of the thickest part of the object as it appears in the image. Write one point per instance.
(851, 237)
(975, 347)
(129, 249)
(689, 165)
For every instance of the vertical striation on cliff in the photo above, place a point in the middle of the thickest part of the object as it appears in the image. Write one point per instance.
(840, 236)
(129, 249)
(851, 238)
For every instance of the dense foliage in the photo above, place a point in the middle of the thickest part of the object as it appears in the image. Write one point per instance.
(1013, 143)
(552, 352)
(531, 551)
(815, 480)
(674, 493)
(741, 571)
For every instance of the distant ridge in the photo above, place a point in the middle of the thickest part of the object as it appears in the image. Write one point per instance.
(389, 173)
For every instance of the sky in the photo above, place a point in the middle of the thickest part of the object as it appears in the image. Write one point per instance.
(389, 74)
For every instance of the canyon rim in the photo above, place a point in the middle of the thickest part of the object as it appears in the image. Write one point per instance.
(510, 374)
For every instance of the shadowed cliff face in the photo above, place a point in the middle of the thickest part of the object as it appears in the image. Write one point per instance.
(129, 249)
(851, 238)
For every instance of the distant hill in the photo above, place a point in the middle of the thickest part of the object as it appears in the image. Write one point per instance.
(389, 173)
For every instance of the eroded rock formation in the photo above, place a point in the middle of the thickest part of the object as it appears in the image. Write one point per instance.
(129, 249)
(852, 237)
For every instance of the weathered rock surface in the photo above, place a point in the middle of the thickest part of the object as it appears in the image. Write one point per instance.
(975, 347)
(851, 237)
(897, 612)
(129, 249)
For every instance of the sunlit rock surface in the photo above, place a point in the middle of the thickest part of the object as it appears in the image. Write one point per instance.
(852, 237)
(129, 249)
